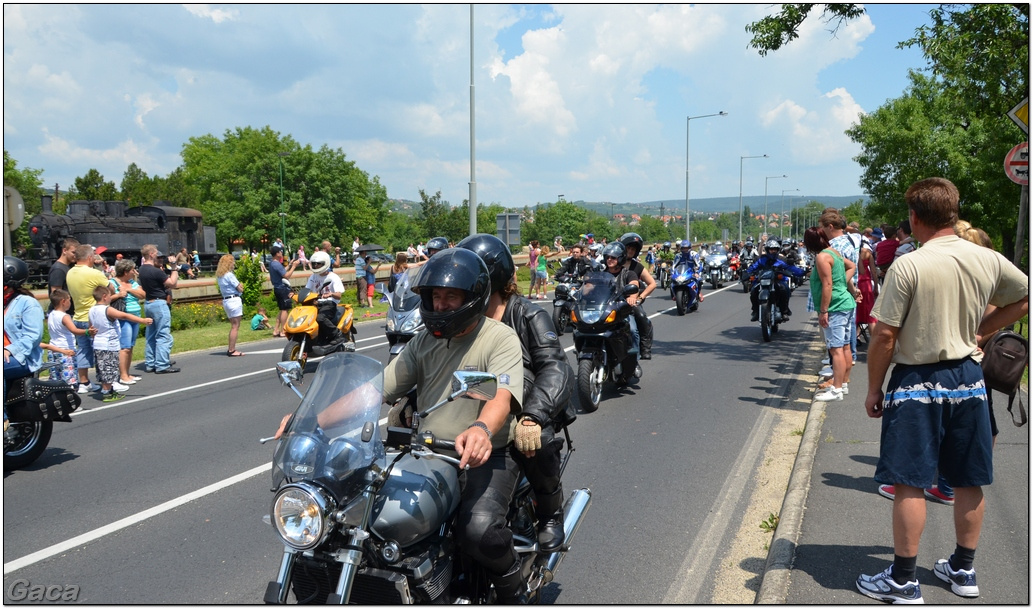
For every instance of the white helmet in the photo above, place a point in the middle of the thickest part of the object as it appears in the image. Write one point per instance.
(320, 262)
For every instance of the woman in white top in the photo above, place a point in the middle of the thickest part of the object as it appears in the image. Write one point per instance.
(231, 289)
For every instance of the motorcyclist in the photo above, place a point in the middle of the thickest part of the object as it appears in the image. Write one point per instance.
(454, 288)
(329, 287)
(633, 246)
(749, 252)
(23, 325)
(596, 253)
(547, 385)
(576, 265)
(435, 245)
(667, 246)
(685, 254)
(614, 256)
(770, 259)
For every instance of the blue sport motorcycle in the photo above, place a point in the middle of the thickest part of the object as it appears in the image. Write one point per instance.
(684, 288)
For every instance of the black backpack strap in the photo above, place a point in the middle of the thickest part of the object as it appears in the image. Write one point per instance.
(1022, 411)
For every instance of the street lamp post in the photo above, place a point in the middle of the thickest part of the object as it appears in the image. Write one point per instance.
(741, 158)
(688, 236)
(766, 197)
(781, 213)
(283, 215)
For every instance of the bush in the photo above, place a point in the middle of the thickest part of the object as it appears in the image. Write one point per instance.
(250, 275)
(196, 315)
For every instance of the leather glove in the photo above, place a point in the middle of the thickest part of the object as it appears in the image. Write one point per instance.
(528, 437)
(400, 415)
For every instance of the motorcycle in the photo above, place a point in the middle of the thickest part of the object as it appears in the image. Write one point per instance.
(32, 404)
(733, 267)
(663, 274)
(602, 337)
(685, 287)
(770, 314)
(403, 314)
(302, 329)
(566, 295)
(744, 276)
(369, 521)
(715, 268)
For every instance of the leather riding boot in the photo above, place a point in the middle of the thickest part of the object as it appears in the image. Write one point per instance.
(510, 589)
(550, 521)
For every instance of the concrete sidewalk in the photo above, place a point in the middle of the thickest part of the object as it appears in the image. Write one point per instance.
(834, 525)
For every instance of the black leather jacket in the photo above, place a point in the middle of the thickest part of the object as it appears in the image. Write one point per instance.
(575, 268)
(548, 377)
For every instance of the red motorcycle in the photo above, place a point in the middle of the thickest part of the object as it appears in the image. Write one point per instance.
(734, 266)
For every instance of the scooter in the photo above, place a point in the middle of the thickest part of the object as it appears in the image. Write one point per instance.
(302, 329)
(32, 405)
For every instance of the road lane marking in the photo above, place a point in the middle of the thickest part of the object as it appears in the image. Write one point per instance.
(144, 398)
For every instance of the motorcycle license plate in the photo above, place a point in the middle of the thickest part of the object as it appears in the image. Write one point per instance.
(766, 283)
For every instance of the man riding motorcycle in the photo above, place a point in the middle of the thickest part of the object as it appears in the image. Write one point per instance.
(770, 259)
(576, 265)
(685, 254)
(633, 246)
(547, 385)
(329, 287)
(435, 245)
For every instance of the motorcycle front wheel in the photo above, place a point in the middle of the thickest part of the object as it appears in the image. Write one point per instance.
(681, 299)
(560, 317)
(32, 439)
(589, 389)
(293, 353)
(765, 322)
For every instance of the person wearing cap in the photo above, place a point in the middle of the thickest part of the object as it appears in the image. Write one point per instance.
(82, 279)
(157, 286)
(278, 276)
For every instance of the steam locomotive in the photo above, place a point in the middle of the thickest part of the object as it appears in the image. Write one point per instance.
(120, 228)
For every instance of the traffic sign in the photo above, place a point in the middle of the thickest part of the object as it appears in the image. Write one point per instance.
(1020, 114)
(1016, 164)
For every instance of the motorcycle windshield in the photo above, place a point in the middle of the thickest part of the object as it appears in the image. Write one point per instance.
(598, 290)
(403, 298)
(334, 434)
(681, 272)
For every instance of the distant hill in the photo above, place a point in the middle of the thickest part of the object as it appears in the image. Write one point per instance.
(677, 206)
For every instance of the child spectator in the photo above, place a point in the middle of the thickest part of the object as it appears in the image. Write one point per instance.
(302, 259)
(62, 337)
(260, 321)
(107, 340)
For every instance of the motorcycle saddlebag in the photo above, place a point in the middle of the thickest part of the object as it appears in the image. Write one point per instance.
(32, 399)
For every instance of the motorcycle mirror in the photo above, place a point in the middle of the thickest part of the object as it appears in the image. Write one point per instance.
(473, 384)
(630, 289)
(289, 371)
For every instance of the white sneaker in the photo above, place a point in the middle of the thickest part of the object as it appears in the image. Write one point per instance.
(846, 390)
(825, 361)
(829, 395)
(119, 387)
(88, 388)
(826, 371)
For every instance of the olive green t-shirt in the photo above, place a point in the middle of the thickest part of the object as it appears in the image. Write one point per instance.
(937, 294)
(429, 363)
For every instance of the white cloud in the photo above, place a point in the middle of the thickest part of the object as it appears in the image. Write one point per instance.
(216, 15)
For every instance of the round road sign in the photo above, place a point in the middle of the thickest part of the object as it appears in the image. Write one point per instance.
(1016, 164)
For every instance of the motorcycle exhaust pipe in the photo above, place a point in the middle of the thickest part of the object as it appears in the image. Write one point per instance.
(574, 510)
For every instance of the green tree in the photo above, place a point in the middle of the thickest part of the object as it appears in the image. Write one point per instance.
(775, 31)
(92, 187)
(137, 187)
(560, 219)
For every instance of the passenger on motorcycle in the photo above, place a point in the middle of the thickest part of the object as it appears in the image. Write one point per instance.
(685, 254)
(781, 288)
(614, 256)
(23, 325)
(329, 287)
(547, 385)
(633, 246)
(454, 287)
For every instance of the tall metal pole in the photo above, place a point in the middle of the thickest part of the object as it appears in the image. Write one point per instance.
(283, 214)
(766, 197)
(473, 163)
(761, 156)
(782, 207)
(688, 232)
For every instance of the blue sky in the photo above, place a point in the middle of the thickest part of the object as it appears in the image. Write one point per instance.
(588, 101)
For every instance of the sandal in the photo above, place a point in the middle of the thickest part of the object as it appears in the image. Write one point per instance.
(234, 353)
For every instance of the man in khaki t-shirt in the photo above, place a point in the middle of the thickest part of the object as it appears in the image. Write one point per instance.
(81, 280)
(934, 412)
(454, 288)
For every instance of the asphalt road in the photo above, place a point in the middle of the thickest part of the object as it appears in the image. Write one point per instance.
(159, 498)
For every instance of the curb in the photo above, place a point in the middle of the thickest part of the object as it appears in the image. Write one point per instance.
(774, 587)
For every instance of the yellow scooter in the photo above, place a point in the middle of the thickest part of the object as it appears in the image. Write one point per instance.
(302, 329)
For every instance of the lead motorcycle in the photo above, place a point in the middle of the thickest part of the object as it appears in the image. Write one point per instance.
(373, 522)
(32, 405)
(685, 288)
(602, 337)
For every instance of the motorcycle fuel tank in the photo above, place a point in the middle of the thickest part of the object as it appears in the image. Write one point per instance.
(417, 497)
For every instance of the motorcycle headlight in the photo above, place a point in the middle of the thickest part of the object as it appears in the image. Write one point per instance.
(390, 324)
(301, 515)
(590, 317)
(412, 324)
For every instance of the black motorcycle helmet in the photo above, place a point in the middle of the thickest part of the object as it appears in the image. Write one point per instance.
(632, 240)
(496, 257)
(616, 250)
(15, 272)
(453, 268)
(435, 245)
(772, 245)
(667, 245)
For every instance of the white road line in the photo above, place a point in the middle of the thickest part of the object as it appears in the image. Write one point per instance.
(129, 401)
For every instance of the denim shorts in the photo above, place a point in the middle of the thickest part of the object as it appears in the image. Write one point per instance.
(935, 417)
(542, 275)
(838, 333)
(128, 331)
